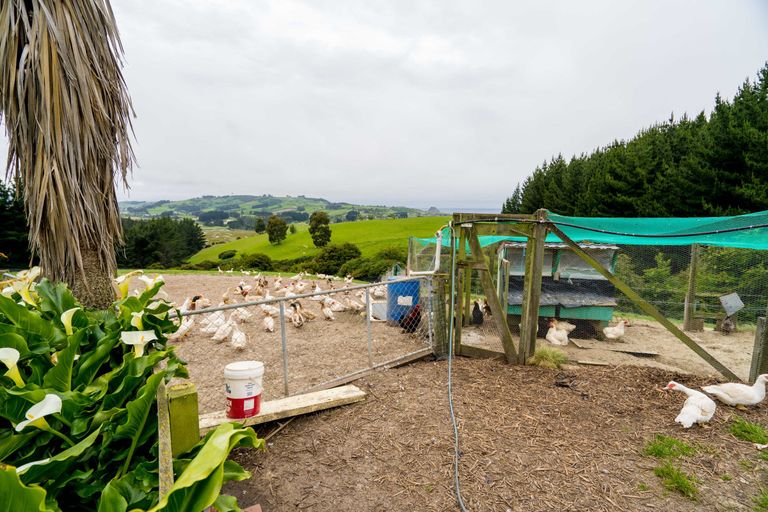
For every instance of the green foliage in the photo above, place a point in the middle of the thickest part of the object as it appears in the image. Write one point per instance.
(747, 431)
(547, 357)
(159, 243)
(330, 259)
(664, 447)
(260, 226)
(292, 229)
(256, 261)
(225, 255)
(14, 242)
(319, 229)
(99, 452)
(276, 229)
(676, 480)
(687, 167)
(371, 269)
(761, 501)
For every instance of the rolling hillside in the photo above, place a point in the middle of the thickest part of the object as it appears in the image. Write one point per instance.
(263, 206)
(370, 236)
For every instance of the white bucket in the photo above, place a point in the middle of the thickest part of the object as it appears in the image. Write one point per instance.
(242, 381)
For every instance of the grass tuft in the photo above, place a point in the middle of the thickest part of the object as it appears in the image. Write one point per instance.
(548, 358)
(761, 501)
(747, 431)
(665, 447)
(676, 480)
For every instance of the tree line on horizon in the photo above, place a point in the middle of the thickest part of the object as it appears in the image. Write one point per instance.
(702, 166)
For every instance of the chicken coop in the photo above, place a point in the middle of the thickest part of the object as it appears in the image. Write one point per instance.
(570, 288)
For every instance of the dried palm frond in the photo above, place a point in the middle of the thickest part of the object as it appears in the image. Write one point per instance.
(66, 110)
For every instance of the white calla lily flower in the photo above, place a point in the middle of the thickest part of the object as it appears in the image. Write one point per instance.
(21, 469)
(137, 320)
(124, 281)
(36, 414)
(8, 292)
(151, 281)
(66, 319)
(10, 358)
(138, 339)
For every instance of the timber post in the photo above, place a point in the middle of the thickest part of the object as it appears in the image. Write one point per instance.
(534, 261)
(184, 413)
(689, 322)
(164, 451)
(759, 364)
(439, 306)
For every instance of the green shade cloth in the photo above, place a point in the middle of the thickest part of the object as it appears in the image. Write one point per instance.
(749, 231)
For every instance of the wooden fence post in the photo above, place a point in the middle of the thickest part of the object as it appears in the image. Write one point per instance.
(529, 317)
(760, 352)
(184, 413)
(689, 323)
(165, 453)
(440, 325)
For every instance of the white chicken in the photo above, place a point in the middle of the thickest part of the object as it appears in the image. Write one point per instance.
(698, 407)
(270, 310)
(563, 325)
(556, 336)
(241, 315)
(215, 321)
(184, 328)
(224, 332)
(353, 304)
(615, 332)
(335, 305)
(238, 340)
(739, 395)
(269, 323)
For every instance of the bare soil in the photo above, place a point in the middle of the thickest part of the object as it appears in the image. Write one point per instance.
(526, 444)
(318, 352)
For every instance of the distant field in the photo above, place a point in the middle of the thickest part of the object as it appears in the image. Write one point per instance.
(370, 236)
(220, 235)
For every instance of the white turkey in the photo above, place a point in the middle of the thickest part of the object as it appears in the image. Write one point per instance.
(698, 407)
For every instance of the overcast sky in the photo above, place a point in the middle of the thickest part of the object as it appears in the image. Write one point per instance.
(446, 103)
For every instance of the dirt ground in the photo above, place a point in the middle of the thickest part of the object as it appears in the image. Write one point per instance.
(526, 445)
(733, 350)
(317, 352)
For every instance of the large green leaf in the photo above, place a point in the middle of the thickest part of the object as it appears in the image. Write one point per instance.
(55, 298)
(13, 340)
(17, 497)
(58, 465)
(200, 483)
(11, 443)
(37, 329)
(90, 362)
(59, 377)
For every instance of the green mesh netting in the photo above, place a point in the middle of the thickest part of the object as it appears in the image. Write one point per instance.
(748, 231)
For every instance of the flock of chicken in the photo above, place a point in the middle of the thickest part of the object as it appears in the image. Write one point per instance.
(699, 408)
(222, 327)
(559, 330)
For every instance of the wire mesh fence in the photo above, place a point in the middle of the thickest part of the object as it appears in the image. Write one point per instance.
(309, 332)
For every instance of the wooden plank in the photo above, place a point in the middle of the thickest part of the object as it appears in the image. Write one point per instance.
(183, 408)
(646, 307)
(165, 452)
(458, 320)
(592, 363)
(480, 352)
(459, 218)
(690, 296)
(578, 345)
(393, 363)
(290, 406)
(638, 353)
(499, 316)
(534, 261)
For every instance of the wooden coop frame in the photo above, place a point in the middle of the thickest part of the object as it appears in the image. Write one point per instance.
(470, 226)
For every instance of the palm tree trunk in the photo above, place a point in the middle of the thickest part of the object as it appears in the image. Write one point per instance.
(97, 291)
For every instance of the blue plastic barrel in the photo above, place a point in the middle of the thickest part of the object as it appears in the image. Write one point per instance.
(401, 297)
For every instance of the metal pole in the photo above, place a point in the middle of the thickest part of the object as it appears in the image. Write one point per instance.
(368, 321)
(285, 348)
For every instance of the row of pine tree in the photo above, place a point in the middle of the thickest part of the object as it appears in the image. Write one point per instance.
(701, 166)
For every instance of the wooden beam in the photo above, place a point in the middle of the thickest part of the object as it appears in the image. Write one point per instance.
(690, 296)
(393, 363)
(481, 353)
(183, 408)
(489, 217)
(499, 316)
(164, 450)
(517, 230)
(459, 293)
(529, 316)
(645, 306)
(290, 406)
(759, 364)
(439, 326)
